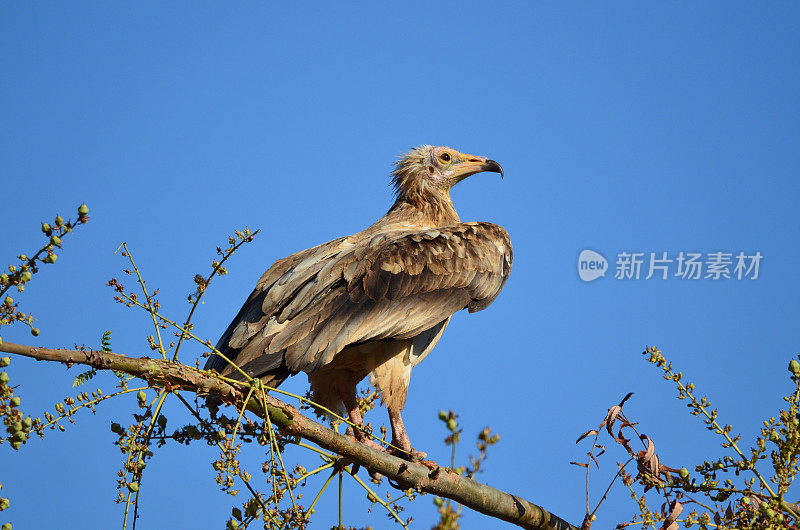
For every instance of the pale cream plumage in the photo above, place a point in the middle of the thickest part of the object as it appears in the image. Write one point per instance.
(376, 302)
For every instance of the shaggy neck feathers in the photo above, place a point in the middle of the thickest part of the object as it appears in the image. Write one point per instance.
(418, 198)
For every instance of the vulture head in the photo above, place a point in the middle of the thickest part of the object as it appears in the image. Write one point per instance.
(428, 171)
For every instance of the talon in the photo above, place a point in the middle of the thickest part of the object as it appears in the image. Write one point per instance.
(342, 462)
(418, 456)
(371, 443)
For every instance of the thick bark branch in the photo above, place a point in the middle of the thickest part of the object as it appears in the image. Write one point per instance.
(439, 481)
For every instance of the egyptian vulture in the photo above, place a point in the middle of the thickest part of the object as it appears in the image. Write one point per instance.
(376, 302)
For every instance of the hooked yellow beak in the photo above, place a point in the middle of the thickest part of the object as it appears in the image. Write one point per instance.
(476, 164)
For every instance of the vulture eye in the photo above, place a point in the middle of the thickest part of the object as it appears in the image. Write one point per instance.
(445, 157)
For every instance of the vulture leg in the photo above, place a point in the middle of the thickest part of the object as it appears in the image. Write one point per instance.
(400, 438)
(354, 415)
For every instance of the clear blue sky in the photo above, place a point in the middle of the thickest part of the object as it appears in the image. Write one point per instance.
(630, 126)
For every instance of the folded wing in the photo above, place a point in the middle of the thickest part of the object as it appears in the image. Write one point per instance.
(394, 285)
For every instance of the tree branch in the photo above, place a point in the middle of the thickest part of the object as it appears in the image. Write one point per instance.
(438, 481)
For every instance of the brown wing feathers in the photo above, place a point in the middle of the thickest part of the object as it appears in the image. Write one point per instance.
(309, 306)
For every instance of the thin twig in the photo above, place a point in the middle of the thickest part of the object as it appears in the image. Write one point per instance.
(324, 486)
(274, 442)
(150, 307)
(208, 429)
(619, 472)
(374, 496)
(200, 294)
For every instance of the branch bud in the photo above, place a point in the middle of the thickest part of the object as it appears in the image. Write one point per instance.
(794, 367)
